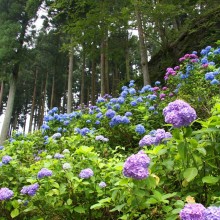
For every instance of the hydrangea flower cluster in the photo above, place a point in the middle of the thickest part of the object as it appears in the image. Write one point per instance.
(110, 113)
(118, 119)
(102, 184)
(101, 138)
(5, 193)
(155, 137)
(58, 156)
(212, 213)
(66, 166)
(6, 159)
(140, 129)
(179, 113)
(30, 190)
(136, 166)
(44, 172)
(86, 173)
(192, 211)
(56, 135)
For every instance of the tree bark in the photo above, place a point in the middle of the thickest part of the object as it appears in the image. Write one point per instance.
(103, 67)
(93, 80)
(43, 102)
(52, 93)
(143, 49)
(1, 97)
(10, 104)
(33, 102)
(82, 93)
(106, 66)
(127, 59)
(70, 83)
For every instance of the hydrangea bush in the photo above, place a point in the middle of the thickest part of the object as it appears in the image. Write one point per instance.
(136, 156)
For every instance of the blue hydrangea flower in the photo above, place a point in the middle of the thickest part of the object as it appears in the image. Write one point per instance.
(44, 172)
(214, 82)
(86, 173)
(1, 147)
(140, 129)
(179, 113)
(30, 190)
(121, 100)
(99, 115)
(84, 131)
(157, 83)
(6, 159)
(128, 114)
(110, 113)
(209, 76)
(5, 193)
(132, 91)
(192, 211)
(133, 103)
(212, 213)
(136, 166)
(56, 135)
(151, 108)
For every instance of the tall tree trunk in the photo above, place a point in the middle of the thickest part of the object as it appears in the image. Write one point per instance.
(143, 49)
(1, 97)
(115, 80)
(103, 67)
(43, 101)
(93, 81)
(33, 102)
(106, 65)
(70, 83)
(127, 60)
(82, 93)
(10, 104)
(52, 93)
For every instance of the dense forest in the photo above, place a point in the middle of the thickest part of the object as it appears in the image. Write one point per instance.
(86, 49)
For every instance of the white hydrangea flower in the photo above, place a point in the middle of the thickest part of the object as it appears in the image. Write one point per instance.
(66, 151)
(49, 157)
(66, 166)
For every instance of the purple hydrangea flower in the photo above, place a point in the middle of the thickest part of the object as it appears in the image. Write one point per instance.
(212, 213)
(6, 159)
(102, 184)
(136, 166)
(30, 190)
(44, 172)
(140, 129)
(192, 211)
(179, 113)
(58, 156)
(101, 138)
(5, 193)
(154, 137)
(86, 173)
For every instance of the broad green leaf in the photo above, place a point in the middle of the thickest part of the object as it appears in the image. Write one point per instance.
(96, 206)
(69, 201)
(210, 179)
(14, 213)
(190, 173)
(79, 209)
(118, 208)
(182, 149)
